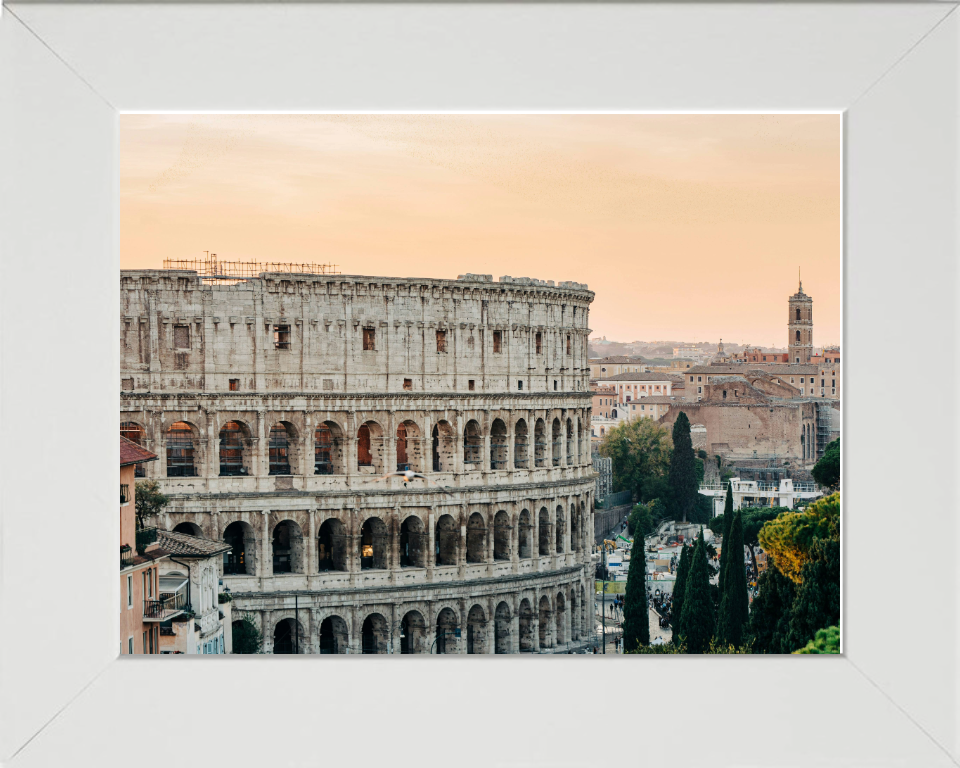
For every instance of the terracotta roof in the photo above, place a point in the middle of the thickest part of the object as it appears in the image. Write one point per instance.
(131, 453)
(654, 399)
(158, 553)
(618, 360)
(185, 545)
(742, 369)
(637, 376)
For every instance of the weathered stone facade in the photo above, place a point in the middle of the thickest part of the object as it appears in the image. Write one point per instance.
(277, 404)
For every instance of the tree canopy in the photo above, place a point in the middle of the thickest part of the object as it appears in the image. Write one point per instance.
(788, 539)
(682, 476)
(770, 612)
(734, 603)
(825, 641)
(247, 637)
(640, 450)
(679, 591)
(149, 500)
(636, 610)
(698, 620)
(827, 471)
(817, 604)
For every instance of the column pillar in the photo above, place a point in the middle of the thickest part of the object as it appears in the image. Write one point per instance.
(306, 447)
(262, 468)
(267, 547)
(490, 646)
(464, 630)
(431, 555)
(515, 628)
(266, 623)
(394, 530)
(212, 468)
(311, 549)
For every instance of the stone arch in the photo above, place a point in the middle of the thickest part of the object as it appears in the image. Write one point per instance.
(447, 541)
(476, 630)
(447, 625)
(543, 543)
(370, 448)
(288, 549)
(501, 629)
(524, 535)
(561, 619)
(409, 450)
(374, 544)
(574, 529)
(334, 635)
(328, 449)
(444, 447)
(556, 441)
(374, 634)
(472, 444)
(282, 449)
(525, 615)
(182, 445)
(289, 637)
(520, 444)
(413, 633)
(191, 529)
(242, 559)
(540, 444)
(502, 532)
(498, 445)
(579, 441)
(476, 538)
(414, 543)
(236, 456)
(561, 527)
(332, 546)
(546, 632)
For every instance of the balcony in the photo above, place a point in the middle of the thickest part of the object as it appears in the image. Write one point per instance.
(126, 556)
(145, 537)
(168, 606)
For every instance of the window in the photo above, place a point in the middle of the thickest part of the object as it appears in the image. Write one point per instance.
(691, 379)
(369, 339)
(569, 345)
(699, 390)
(555, 385)
(408, 384)
(124, 493)
(281, 337)
(234, 385)
(821, 382)
(441, 341)
(540, 344)
(519, 384)
(791, 380)
(130, 594)
(497, 341)
(699, 378)
(833, 382)
(126, 384)
(470, 385)
(130, 645)
(181, 337)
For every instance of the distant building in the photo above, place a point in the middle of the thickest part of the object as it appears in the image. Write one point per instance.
(689, 352)
(604, 401)
(757, 355)
(646, 407)
(800, 327)
(631, 386)
(604, 367)
(603, 465)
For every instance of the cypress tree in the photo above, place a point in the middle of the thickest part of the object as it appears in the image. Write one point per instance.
(734, 602)
(636, 610)
(770, 614)
(682, 477)
(697, 623)
(727, 524)
(679, 592)
(817, 604)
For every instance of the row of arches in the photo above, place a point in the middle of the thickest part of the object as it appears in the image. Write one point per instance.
(552, 444)
(554, 620)
(337, 550)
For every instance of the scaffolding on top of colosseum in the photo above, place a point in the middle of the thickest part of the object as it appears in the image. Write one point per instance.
(210, 268)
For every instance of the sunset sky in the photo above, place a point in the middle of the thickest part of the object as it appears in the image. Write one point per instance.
(687, 227)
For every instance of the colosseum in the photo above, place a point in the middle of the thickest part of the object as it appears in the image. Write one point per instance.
(280, 404)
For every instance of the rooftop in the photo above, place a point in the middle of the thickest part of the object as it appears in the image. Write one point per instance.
(639, 376)
(131, 453)
(185, 545)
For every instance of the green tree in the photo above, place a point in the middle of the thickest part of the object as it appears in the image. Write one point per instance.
(727, 522)
(754, 518)
(827, 471)
(149, 501)
(247, 637)
(788, 539)
(679, 591)
(734, 602)
(636, 609)
(682, 476)
(640, 450)
(825, 641)
(817, 604)
(698, 620)
(770, 612)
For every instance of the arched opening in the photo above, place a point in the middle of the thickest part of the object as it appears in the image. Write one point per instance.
(334, 636)
(525, 535)
(279, 448)
(328, 449)
(574, 615)
(287, 548)
(501, 536)
(472, 444)
(443, 447)
(375, 634)
(135, 434)
(798, 337)
(501, 629)
(498, 445)
(546, 636)
(520, 438)
(798, 314)
(180, 450)
(525, 614)
(543, 539)
(233, 440)
(447, 541)
(413, 543)
(571, 449)
(476, 538)
(539, 444)
(413, 633)
(369, 448)
(447, 626)
(332, 546)
(561, 619)
(191, 529)
(560, 530)
(289, 637)
(579, 442)
(241, 558)
(574, 528)
(408, 447)
(557, 442)
(476, 630)
(373, 544)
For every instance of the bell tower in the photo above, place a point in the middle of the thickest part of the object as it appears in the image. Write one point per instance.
(800, 327)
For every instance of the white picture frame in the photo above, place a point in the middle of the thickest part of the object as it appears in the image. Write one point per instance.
(68, 70)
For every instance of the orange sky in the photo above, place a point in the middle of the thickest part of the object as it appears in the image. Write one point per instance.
(687, 227)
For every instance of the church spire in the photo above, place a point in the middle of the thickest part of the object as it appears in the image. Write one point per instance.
(799, 281)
